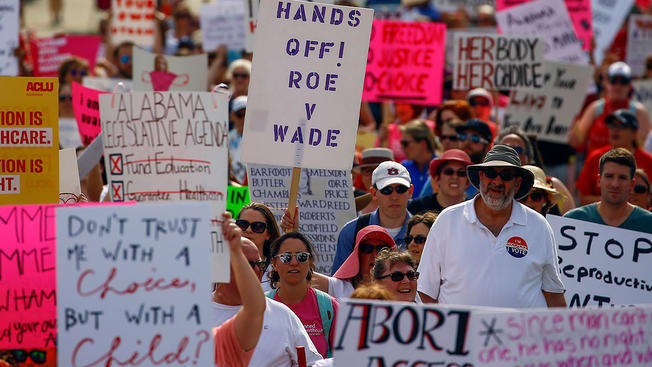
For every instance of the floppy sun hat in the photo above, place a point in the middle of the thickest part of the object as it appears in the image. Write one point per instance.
(351, 266)
(502, 156)
(451, 155)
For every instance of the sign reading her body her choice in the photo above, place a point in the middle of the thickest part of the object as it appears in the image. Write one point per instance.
(168, 146)
(548, 19)
(608, 16)
(603, 265)
(549, 111)
(163, 73)
(222, 24)
(312, 58)
(133, 285)
(639, 42)
(497, 61)
(133, 21)
(9, 13)
(325, 202)
(405, 62)
(373, 333)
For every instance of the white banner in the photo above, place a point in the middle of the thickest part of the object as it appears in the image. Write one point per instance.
(9, 19)
(608, 16)
(133, 21)
(163, 73)
(251, 18)
(222, 23)
(639, 43)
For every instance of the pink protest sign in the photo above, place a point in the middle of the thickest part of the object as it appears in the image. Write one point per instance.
(49, 53)
(405, 62)
(27, 277)
(86, 104)
(579, 11)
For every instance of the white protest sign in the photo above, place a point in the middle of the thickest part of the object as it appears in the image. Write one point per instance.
(497, 61)
(251, 18)
(608, 16)
(163, 73)
(311, 57)
(325, 202)
(643, 92)
(132, 285)
(69, 133)
(450, 36)
(548, 19)
(469, 5)
(105, 84)
(9, 18)
(222, 23)
(373, 333)
(549, 111)
(169, 146)
(639, 42)
(603, 265)
(69, 185)
(133, 21)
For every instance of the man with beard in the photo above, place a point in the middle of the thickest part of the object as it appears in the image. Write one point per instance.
(492, 250)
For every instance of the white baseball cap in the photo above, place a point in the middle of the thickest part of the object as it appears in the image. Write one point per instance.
(388, 173)
(239, 103)
(619, 68)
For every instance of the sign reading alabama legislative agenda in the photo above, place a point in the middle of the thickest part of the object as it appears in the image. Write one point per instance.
(373, 333)
(497, 61)
(603, 265)
(639, 42)
(168, 146)
(132, 285)
(311, 57)
(549, 111)
(325, 203)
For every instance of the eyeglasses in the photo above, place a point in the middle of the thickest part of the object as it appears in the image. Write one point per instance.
(535, 196)
(400, 189)
(641, 189)
(125, 59)
(405, 143)
(450, 172)
(419, 240)
(256, 227)
(397, 276)
(240, 114)
(619, 80)
(367, 248)
(473, 138)
(21, 355)
(259, 263)
(82, 72)
(240, 75)
(478, 102)
(286, 257)
(448, 137)
(506, 175)
(519, 149)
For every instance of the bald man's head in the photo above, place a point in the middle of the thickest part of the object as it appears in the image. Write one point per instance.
(251, 253)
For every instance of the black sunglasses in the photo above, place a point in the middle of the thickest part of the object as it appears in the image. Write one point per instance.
(535, 196)
(367, 248)
(506, 175)
(641, 189)
(240, 75)
(240, 114)
(82, 72)
(38, 356)
(419, 240)
(397, 276)
(286, 257)
(256, 227)
(478, 102)
(400, 189)
(619, 80)
(259, 263)
(450, 172)
(448, 137)
(473, 138)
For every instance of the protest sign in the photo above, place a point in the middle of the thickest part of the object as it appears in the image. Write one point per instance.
(69, 133)
(69, 184)
(86, 104)
(237, 197)
(550, 111)
(602, 265)
(105, 84)
(49, 53)
(163, 73)
(608, 16)
(454, 5)
(373, 333)
(497, 61)
(27, 277)
(133, 285)
(133, 21)
(643, 92)
(386, 9)
(639, 42)
(311, 57)
(222, 23)
(251, 18)
(325, 203)
(405, 62)
(450, 36)
(9, 19)
(168, 146)
(550, 20)
(29, 141)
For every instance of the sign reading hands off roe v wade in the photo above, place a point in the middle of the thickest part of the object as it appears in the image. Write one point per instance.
(306, 84)
(371, 333)
(497, 61)
(603, 265)
(133, 283)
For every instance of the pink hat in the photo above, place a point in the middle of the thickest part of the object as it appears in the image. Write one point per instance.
(351, 266)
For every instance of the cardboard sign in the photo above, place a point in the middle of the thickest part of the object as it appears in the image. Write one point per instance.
(251, 18)
(106, 85)
(497, 62)
(168, 146)
(86, 104)
(639, 42)
(49, 53)
(237, 197)
(163, 73)
(69, 185)
(643, 92)
(27, 277)
(133, 20)
(405, 62)
(29, 141)
(325, 203)
(222, 23)
(549, 111)
(373, 333)
(608, 16)
(602, 265)
(311, 57)
(132, 285)
(9, 19)
(548, 19)
(69, 133)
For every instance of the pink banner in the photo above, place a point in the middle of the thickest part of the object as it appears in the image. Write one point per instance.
(27, 277)
(86, 104)
(405, 62)
(49, 53)
(579, 11)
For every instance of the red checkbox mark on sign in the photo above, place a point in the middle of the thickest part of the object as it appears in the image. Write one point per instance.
(117, 191)
(116, 164)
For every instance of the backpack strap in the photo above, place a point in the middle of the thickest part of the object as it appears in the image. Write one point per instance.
(632, 106)
(362, 222)
(599, 108)
(325, 303)
(270, 293)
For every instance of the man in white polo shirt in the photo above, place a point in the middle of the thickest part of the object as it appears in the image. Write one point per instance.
(492, 250)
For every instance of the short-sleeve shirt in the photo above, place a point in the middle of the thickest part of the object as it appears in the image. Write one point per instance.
(639, 220)
(227, 348)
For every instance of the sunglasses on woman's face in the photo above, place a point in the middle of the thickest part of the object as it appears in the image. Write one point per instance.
(37, 356)
(619, 80)
(397, 276)
(256, 227)
(535, 196)
(450, 172)
(286, 257)
(400, 189)
(419, 240)
(240, 75)
(367, 248)
(641, 189)
(82, 72)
